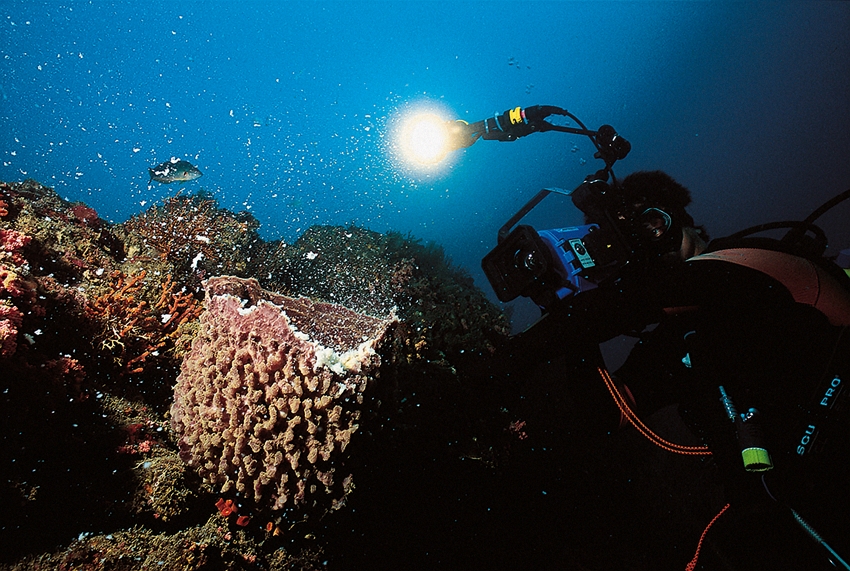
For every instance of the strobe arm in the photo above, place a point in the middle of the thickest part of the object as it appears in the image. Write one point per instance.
(511, 125)
(518, 122)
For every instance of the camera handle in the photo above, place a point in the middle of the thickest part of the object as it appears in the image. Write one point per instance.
(600, 176)
(528, 207)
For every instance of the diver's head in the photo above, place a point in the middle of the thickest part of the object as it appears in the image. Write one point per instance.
(650, 208)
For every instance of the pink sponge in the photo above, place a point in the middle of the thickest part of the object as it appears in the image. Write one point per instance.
(270, 394)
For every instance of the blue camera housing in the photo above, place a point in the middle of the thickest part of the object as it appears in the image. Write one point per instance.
(570, 257)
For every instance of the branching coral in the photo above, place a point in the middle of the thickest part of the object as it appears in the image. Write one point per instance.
(132, 329)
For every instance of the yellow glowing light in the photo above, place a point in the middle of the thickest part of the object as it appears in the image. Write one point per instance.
(425, 139)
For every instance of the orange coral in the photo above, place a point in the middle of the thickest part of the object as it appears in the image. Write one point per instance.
(226, 507)
(177, 308)
(243, 520)
(131, 327)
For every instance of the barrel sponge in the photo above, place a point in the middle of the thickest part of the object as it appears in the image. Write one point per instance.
(272, 391)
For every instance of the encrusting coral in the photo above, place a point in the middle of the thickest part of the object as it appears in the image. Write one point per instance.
(195, 237)
(15, 290)
(272, 391)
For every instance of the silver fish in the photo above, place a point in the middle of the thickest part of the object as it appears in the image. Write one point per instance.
(174, 170)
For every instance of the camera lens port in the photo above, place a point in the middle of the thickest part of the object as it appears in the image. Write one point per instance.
(528, 260)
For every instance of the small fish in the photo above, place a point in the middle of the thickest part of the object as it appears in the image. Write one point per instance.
(174, 170)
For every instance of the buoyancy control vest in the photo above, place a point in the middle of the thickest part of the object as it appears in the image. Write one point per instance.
(808, 282)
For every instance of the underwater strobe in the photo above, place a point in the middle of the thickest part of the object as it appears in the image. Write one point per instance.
(425, 139)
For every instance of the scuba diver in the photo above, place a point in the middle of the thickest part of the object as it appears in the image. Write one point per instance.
(747, 335)
(752, 345)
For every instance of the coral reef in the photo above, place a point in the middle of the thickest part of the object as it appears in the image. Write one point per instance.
(271, 393)
(195, 237)
(374, 273)
(206, 547)
(95, 321)
(134, 330)
(76, 332)
(16, 291)
(10, 319)
(81, 242)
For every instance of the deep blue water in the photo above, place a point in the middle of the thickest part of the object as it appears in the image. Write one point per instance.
(289, 108)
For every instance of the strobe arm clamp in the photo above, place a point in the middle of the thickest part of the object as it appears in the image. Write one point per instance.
(610, 146)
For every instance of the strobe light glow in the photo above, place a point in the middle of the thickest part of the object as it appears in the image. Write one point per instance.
(425, 139)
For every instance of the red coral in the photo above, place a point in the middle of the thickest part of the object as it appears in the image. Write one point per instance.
(13, 242)
(226, 507)
(71, 375)
(243, 520)
(517, 428)
(10, 320)
(133, 431)
(85, 215)
(138, 438)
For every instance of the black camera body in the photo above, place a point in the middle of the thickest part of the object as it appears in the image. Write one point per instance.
(539, 264)
(550, 265)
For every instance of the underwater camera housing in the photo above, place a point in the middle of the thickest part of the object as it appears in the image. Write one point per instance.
(550, 265)
(540, 265)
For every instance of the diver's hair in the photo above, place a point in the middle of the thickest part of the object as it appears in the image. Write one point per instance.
(657, 189)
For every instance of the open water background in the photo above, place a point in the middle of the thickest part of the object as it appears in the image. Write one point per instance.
(290, 108)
